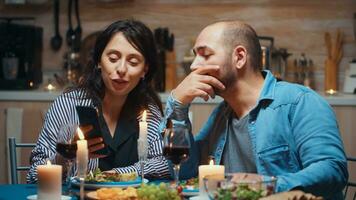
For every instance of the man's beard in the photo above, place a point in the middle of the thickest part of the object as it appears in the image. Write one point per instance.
(228, 78)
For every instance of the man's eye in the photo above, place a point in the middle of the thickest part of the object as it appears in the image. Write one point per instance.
(206, 56)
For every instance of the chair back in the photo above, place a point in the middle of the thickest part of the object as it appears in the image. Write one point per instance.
(13, 158)
(351, 184)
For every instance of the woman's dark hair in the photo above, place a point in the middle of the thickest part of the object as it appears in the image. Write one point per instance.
(141, 38)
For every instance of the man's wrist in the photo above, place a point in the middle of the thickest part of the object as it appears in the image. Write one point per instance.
(176, 109)
(178, 100)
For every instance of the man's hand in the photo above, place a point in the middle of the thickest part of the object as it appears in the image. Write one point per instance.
(199, 83)
(292, 195)
(238, 177)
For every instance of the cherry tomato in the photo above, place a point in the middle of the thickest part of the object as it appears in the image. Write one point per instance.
(179, 189)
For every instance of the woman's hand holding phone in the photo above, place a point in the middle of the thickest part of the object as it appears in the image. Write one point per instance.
(94, 144)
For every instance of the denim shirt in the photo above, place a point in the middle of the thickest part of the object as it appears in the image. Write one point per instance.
(294, 136)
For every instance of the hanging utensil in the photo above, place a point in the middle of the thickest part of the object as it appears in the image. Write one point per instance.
(78, 29)
(70, 31)
(56, 40)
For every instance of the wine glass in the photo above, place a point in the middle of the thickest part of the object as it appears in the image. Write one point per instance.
(176, 147)
(67, 148)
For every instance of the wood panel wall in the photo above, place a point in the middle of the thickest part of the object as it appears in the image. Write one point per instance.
(298, 26)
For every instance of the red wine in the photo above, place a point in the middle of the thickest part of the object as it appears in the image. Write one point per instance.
(68, 151)
(176, 154)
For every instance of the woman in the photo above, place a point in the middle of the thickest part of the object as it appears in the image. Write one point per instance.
(118, 83)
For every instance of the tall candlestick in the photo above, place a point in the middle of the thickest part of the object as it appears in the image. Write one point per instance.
(82, 160)
(142, 140)
(49, 181)
(211, 169)
(82, 154)
(142, 146)
(143, 126)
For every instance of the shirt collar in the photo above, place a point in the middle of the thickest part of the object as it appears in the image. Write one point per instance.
(267, 92)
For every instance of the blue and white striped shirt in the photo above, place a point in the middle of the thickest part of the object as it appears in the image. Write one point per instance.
(63, 111)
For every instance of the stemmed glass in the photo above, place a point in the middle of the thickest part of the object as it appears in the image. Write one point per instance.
(176, 147)
(67, 148)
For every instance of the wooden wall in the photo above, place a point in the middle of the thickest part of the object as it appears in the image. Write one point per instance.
(298, 26)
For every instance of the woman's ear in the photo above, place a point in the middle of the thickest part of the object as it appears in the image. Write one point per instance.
(145, 70)
(239, 56)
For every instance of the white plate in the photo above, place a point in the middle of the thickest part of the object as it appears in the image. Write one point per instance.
(135, 183)
(34, 197)
(199, 198)
(190, 193)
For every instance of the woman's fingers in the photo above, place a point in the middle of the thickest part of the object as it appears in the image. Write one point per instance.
(94, 141)
(86, 128)
(96, 147)
(93, 155)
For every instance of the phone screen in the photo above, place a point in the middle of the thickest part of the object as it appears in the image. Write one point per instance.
(88, 116)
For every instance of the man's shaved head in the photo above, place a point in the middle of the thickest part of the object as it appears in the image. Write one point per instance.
(238, 33)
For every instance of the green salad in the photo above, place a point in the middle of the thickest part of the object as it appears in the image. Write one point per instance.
(98, 176)
(190, 184)
(241, 192)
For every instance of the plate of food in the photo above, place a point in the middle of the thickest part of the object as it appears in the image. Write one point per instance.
(190, 187)
(98, 179)
(146, 191)
(239, 186)
(113, 193)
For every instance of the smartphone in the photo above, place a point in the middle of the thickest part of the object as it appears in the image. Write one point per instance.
(88, 116)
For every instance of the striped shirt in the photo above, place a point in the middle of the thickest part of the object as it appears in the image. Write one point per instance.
(62, 111)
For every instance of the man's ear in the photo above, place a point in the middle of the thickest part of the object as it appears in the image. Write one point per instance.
(239, 56)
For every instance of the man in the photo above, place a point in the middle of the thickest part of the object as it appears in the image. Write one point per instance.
(263, 125)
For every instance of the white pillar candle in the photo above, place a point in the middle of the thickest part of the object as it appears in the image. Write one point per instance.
(211, 169)
(142, 146)
(143, 126)
(82, 154)
(49, 181)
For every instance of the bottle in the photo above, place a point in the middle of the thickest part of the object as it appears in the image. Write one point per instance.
(10, 65)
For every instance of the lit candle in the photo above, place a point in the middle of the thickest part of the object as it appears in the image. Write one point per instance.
(142, 140)
(49, 181)
(82, 154)
(143, 126)
(211, 169)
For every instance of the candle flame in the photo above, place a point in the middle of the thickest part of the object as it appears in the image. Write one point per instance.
(80, 134)
(144, 116)
(211, 162)
(48, 162)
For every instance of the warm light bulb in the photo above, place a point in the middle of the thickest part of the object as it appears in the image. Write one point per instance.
(49, 162)
(331, 91)
(50, 87)
(80, 134)
(211, 162)
(144, 116)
